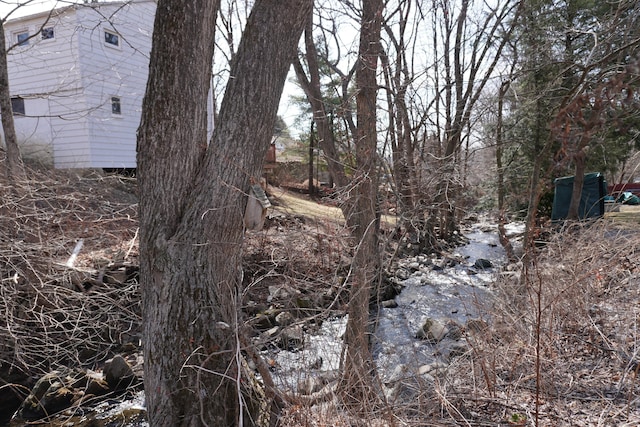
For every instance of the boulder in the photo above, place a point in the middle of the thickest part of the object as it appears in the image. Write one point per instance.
(281, 292)
(252, 308)
(285, 319)
(390, 303)
(432, 331)
(425, 260)
(96, 385)
(118, 373)
(402, 274)
(414, 266)
(483, 264)
(292, 338)
(265, 320)
(271, 333)
(446, 262)
(51, 394)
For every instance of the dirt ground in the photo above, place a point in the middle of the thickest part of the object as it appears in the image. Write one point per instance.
(562, 348)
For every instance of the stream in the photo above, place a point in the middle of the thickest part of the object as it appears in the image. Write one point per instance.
(451, 295)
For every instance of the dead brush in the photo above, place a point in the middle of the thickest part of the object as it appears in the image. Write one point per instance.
(48, 318)
(563, 342)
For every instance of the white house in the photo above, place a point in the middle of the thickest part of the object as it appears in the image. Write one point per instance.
(77, 76)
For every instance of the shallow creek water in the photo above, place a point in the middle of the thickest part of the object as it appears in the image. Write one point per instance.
(452, 294)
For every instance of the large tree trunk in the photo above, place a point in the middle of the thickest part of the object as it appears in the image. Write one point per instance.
(15, 168)
(357, 385)
(192, 202)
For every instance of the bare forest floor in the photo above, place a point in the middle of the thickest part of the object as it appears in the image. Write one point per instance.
(562, 345)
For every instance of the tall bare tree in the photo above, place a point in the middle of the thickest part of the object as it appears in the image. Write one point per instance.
(405, 120)
(358, 366)
(192, 199)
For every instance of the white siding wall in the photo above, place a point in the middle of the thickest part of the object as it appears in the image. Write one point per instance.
(34, 130)
(43, 66)
(121, 71)
(45, 73)
(70, 130)
(68, 82)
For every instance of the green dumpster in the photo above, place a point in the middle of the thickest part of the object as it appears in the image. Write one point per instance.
(594, 190)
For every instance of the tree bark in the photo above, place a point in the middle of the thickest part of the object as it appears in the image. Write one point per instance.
(15, 168)
(357, 385)
(192, 201)
(311, 188)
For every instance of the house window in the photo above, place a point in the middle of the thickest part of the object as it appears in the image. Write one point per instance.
(111, 38)
(47, 33)
(22, 38)
(17, 105)
(115, 105)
